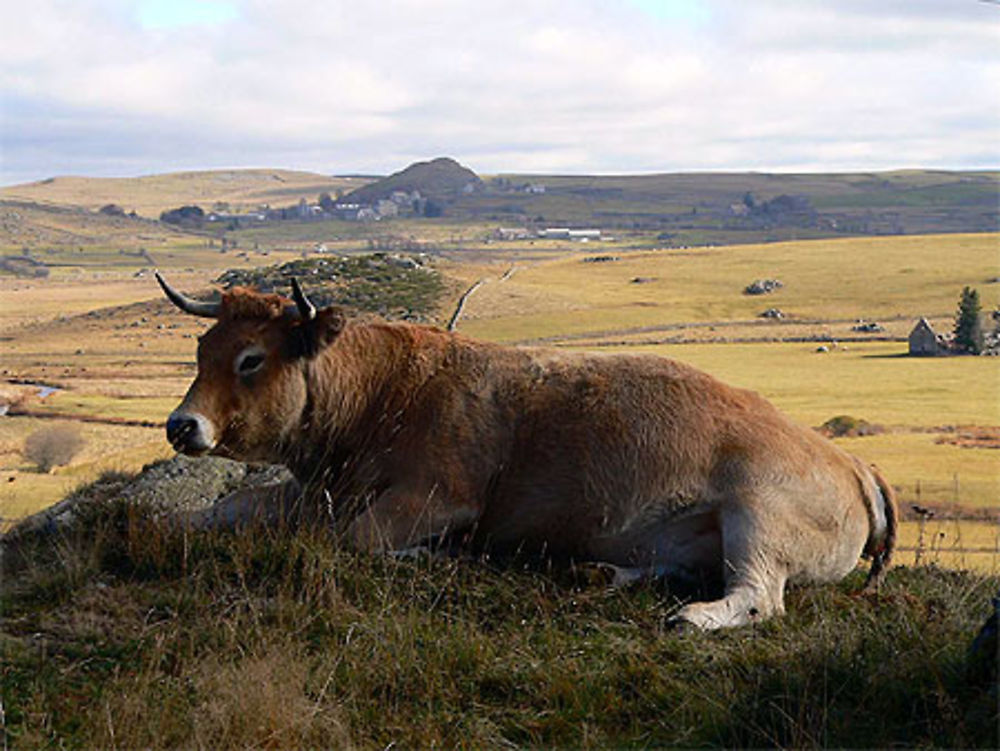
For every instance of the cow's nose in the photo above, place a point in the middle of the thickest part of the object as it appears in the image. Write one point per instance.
(180, 428)
(190, 432)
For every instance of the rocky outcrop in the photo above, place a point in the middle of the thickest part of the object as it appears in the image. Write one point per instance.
(173, 487)
(762, 286)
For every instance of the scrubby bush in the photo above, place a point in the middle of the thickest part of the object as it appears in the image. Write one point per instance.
(185, 216)
(846, 426)
(53, 446)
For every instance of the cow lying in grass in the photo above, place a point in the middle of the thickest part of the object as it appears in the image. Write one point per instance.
(409, 435)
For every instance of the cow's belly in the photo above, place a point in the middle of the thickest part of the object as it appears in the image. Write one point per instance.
(684, 546)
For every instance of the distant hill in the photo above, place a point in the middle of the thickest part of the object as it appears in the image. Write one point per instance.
(439, 179)
(34, 225)
(669, 209)
(700, 208)
(150, 195)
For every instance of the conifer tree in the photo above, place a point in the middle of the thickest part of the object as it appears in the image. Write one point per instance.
(968, 329)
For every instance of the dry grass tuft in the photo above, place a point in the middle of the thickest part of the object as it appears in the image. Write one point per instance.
(129, 632)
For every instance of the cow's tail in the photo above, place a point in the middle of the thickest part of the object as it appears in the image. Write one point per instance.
(884, 519)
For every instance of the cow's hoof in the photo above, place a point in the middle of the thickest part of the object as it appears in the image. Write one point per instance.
(608, 575)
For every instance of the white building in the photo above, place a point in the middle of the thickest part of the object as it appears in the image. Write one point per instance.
(565, 233)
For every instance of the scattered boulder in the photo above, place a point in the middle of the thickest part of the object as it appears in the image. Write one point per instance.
(762, 286)
(112, 209)
(772, 313)
(403, 262)
(868, 327)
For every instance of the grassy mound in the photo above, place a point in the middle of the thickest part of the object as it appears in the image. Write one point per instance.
(126, 632)
(843, 426)
(393, 286)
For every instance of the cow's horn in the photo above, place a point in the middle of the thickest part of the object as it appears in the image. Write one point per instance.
(306, 310)
(194, 307)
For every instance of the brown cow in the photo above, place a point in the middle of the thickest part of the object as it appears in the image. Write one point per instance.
(413, 435)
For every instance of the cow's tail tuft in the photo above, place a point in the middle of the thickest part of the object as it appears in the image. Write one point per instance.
(881, 546)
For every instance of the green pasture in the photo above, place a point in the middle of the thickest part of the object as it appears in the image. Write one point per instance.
(696, 207)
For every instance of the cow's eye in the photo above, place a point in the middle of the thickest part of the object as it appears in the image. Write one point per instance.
(249, 362)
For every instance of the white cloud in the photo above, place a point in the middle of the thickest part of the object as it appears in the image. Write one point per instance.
(549, 85)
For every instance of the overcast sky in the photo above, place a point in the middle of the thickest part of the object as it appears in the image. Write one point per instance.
(119, 88)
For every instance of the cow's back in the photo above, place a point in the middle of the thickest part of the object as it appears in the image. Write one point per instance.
(600, 444)
(552, 449)
(599, 441)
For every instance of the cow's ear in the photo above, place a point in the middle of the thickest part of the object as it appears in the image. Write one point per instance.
(308, 338)
(328, 323)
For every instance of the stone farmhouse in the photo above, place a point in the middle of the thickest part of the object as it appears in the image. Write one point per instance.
(924, 341)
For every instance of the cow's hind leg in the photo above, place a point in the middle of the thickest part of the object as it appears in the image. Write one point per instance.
(684, 553)
(754, 577)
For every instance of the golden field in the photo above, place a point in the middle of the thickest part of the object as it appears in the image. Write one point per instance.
(119, 353)
(824, 281)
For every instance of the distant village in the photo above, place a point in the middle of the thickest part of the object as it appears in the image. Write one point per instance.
(399, 204)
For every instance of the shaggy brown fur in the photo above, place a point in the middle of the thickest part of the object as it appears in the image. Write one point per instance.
(240, 302)
(413, 434)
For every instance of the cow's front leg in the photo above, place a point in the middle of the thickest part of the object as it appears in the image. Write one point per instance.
(401, 519)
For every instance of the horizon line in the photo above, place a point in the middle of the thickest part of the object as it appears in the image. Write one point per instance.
(560, 174)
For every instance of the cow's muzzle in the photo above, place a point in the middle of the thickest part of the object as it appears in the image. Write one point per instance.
(190, 433)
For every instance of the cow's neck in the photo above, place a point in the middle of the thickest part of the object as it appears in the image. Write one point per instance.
(358, 389)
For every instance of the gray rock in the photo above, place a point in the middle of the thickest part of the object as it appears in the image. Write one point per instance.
(176, 486)
(868, 327)
(185, 484)
(762, 286)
